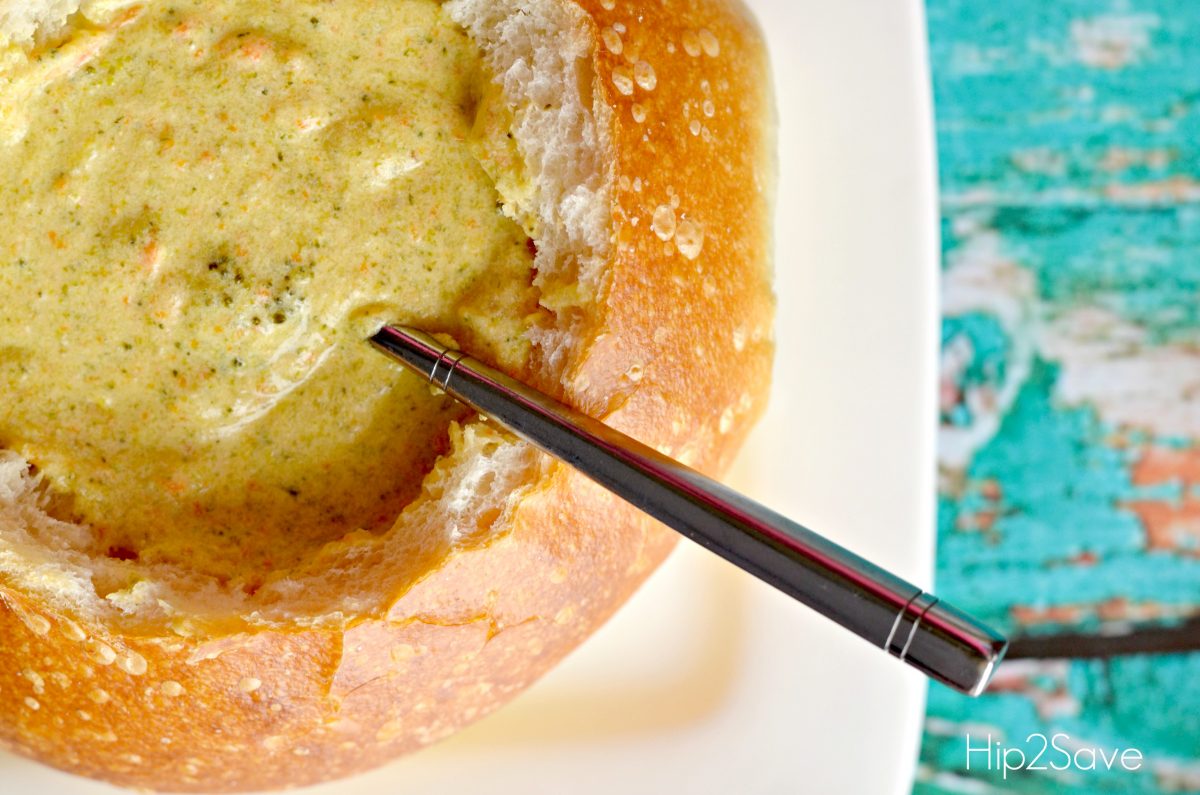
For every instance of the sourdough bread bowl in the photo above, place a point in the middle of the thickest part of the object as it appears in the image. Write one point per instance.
(620, 157)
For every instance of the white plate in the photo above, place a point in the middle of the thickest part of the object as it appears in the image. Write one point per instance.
(709, 682)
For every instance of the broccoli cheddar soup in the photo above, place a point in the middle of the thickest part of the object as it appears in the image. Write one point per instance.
(205, 207)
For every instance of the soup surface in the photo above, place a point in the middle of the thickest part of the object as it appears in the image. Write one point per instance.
(205, 207)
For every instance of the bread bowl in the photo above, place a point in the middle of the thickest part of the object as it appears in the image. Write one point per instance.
(630, 142)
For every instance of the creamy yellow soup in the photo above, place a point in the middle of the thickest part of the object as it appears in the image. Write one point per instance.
(205, 207)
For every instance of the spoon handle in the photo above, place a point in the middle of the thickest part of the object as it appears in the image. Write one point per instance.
(930, 635)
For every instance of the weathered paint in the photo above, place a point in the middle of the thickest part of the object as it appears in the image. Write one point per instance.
(1069, 496)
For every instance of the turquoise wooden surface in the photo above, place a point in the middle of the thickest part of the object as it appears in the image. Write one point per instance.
(1069, 490)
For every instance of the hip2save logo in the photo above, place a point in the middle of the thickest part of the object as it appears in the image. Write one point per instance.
(1056, 752)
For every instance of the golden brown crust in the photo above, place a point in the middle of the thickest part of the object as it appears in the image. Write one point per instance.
(679, 357)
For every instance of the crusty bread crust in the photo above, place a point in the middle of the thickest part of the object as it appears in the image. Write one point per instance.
(676, 351)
